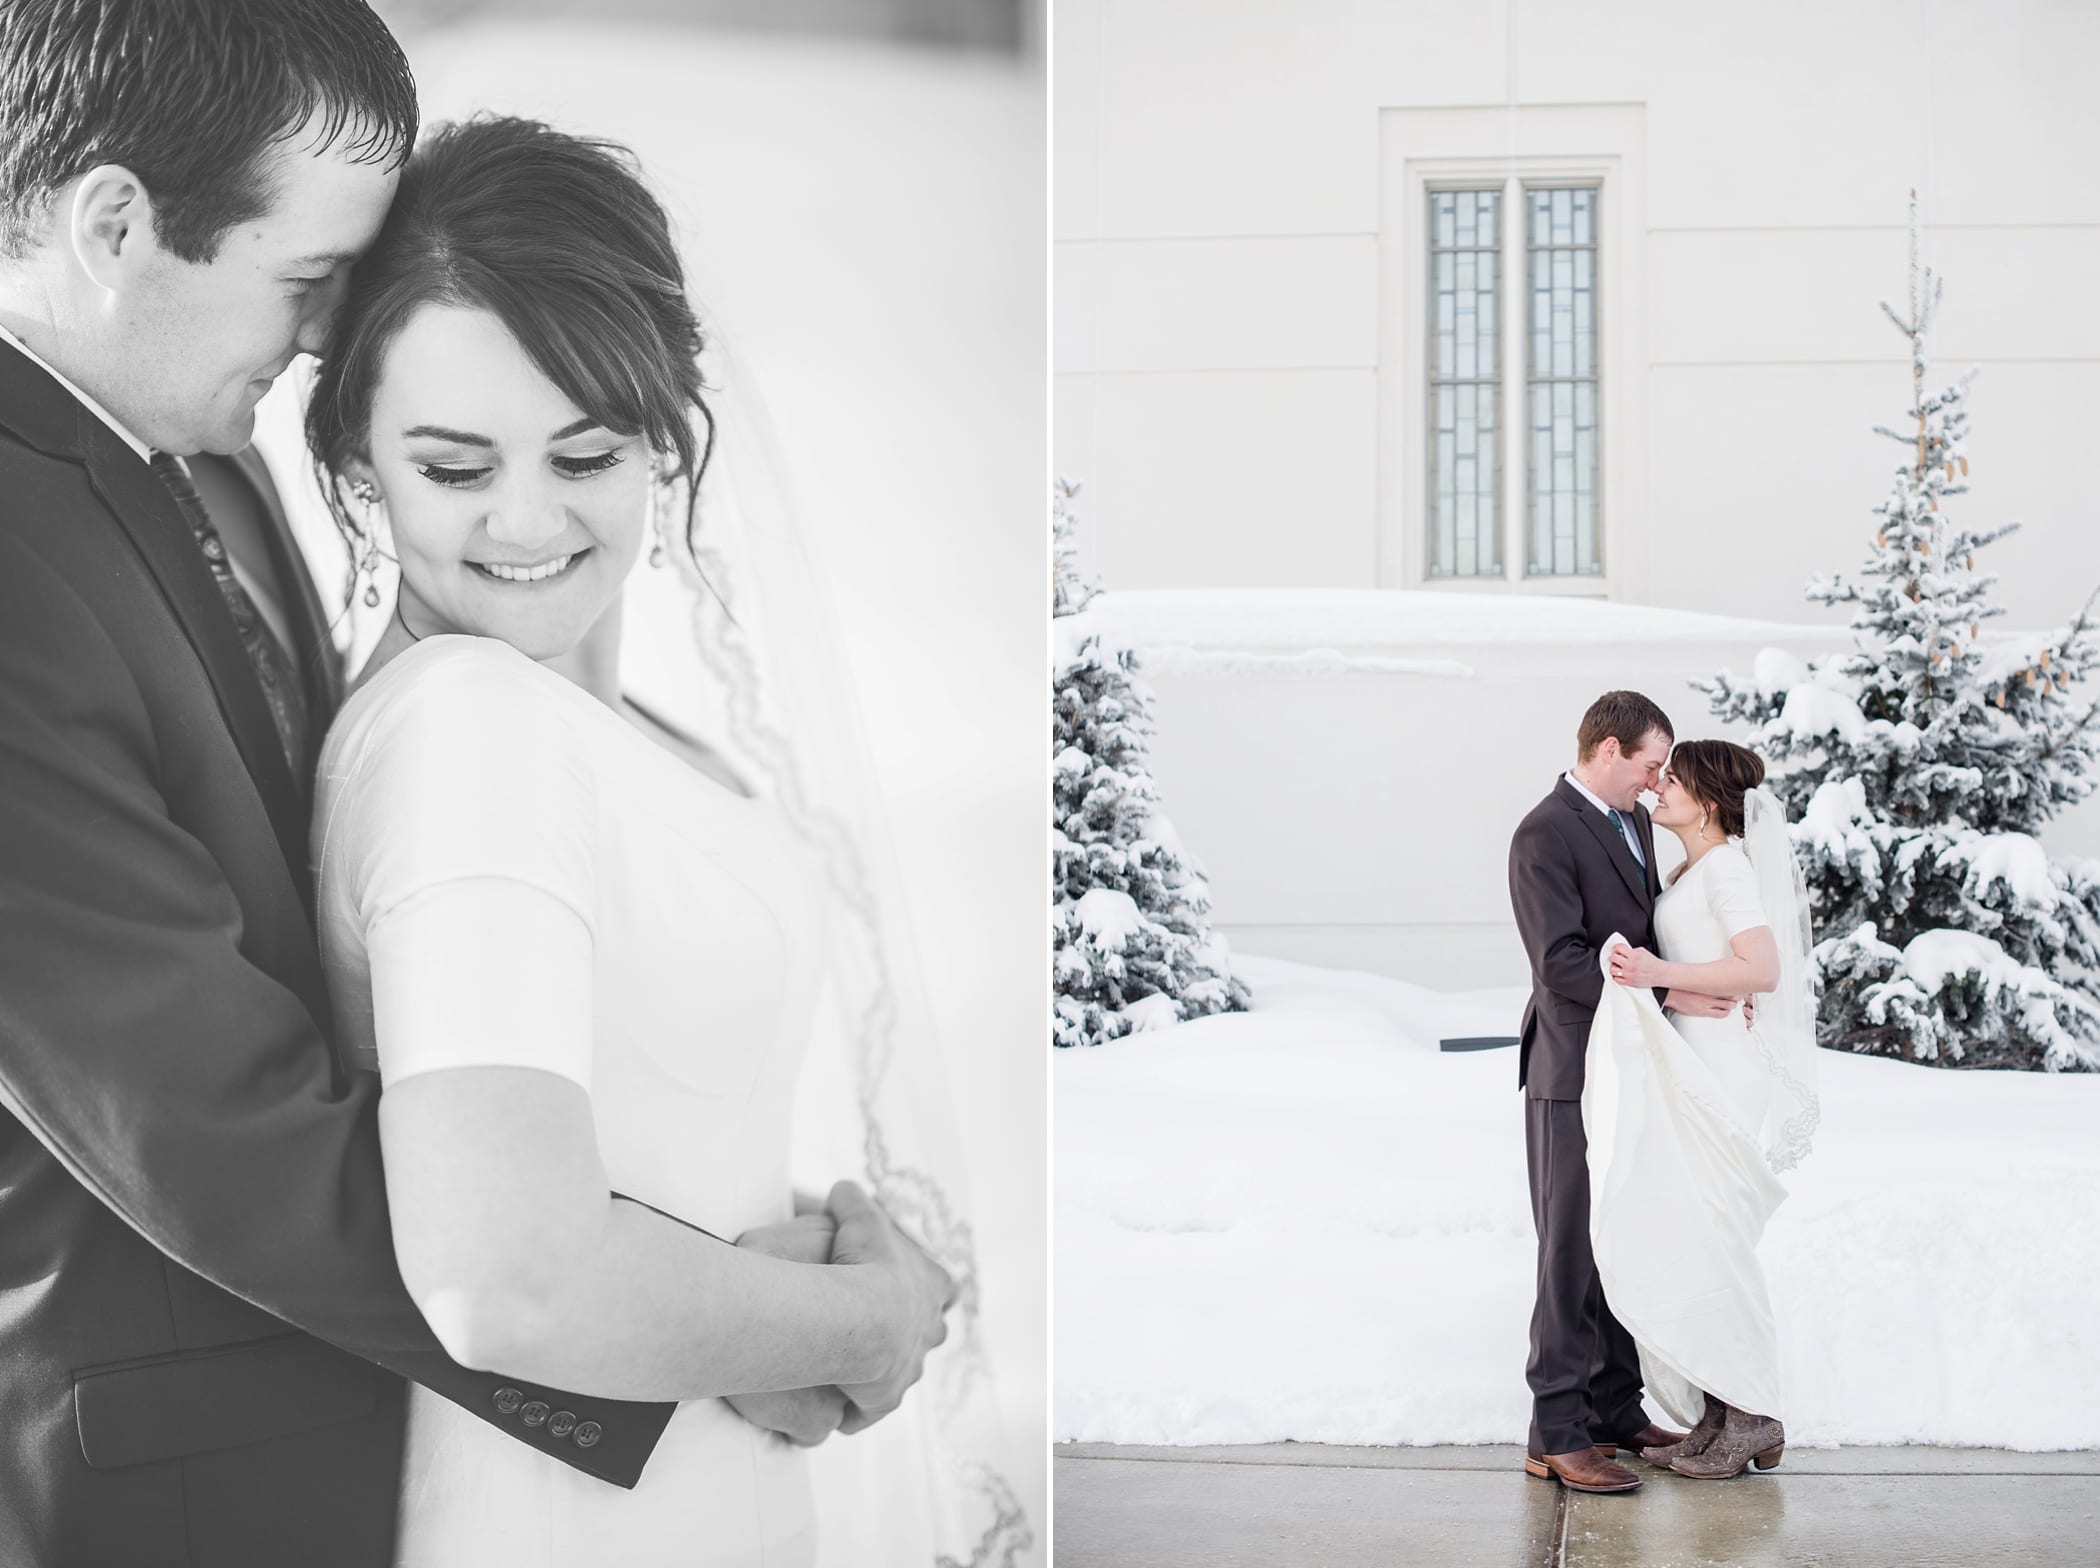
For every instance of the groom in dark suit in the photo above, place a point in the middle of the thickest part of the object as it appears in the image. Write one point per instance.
(1582, 866)
(192, 1212)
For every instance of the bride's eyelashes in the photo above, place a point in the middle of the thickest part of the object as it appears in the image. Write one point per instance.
(452, 478)
(597, 463)
(575, 467)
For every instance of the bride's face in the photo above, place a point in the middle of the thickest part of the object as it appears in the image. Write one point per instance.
(1675, 806)
(514, 515)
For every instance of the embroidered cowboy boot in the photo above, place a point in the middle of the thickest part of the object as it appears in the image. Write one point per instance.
(1695, 1441)
(1745, 1439)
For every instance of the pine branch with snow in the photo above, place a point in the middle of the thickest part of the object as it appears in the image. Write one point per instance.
(1132, 946)
(1918, 767)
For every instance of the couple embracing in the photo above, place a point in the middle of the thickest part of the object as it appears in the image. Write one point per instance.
(1667, 1059)
(548, 1298)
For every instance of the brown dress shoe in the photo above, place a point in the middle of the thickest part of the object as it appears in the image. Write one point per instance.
(1584, 1470)
(1745, 1439)
(1695, 1441)
(1649, 1436)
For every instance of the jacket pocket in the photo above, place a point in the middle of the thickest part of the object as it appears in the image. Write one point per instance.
(193, 1401)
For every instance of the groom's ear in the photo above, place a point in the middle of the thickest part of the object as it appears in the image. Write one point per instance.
(106, 221)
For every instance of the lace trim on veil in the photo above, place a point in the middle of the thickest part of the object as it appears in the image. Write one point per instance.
(913, 1196)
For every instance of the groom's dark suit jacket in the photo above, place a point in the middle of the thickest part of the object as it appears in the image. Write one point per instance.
(1572, 883)
(192, 1216)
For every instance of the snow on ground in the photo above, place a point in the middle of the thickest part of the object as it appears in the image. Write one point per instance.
(1306, 1222)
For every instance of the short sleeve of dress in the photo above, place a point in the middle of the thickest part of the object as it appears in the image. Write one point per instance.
(468, 833)
(1731, 891)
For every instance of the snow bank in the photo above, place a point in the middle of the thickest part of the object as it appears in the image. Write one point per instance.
(1331, 619)
(1307, 1222)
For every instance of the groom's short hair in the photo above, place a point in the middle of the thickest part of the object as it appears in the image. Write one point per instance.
(190, 95)
(1625, 716)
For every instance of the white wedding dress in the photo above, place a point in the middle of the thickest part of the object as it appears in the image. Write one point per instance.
(511, 873)
(1680, 1184)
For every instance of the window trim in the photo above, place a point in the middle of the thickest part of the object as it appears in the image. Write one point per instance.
(1429, 149)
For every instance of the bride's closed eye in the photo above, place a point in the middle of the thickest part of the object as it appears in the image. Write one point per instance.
(574, 467)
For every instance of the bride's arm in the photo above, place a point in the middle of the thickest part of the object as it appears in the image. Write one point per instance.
(516, 1251)
(1752, 966)
(463, 848)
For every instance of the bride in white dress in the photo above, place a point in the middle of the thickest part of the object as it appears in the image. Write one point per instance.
(581, 953)
(1689, 1120)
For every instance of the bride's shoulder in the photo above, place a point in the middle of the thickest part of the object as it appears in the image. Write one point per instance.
(1729, 875)
(457, 678)
(459, 703)
(1731, 854)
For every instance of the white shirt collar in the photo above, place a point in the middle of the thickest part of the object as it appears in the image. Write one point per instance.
(1587, 793)
(145, 452)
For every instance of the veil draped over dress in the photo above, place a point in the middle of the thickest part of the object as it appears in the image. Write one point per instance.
(770, 686)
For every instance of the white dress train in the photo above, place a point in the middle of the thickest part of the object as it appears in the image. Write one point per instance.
(1680, 1188)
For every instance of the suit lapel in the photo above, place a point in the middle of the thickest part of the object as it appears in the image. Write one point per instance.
(1631, 872)
(148, 514)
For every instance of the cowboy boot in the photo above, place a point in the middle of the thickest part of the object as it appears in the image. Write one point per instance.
(1584, 1470)
(1693, 1442)
(1744, 1439)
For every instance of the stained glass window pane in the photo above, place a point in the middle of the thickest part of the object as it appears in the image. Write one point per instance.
(1561, 380)
(1465, 451)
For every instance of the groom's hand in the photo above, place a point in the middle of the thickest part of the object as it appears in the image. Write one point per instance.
(804, 1239)
(1697, 1004)
(804, 1416)
(915, 1292)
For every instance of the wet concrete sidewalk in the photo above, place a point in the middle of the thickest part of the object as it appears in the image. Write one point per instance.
(1314, 1506)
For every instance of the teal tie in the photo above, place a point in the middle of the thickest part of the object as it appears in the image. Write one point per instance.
(1619, 823)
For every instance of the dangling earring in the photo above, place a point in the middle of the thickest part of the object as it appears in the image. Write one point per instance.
(366, 494)
(663, 496)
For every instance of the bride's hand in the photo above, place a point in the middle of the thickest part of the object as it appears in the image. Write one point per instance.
(1635, 966)
(914, 1294)
(804, 1416)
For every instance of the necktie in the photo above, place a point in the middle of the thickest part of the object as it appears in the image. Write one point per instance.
(1632, 843)
(273, 665)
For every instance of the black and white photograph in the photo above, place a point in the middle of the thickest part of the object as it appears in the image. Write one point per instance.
(522, 532)
(1576, 867)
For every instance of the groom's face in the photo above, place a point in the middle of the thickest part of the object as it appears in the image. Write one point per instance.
(1623, 775)
(197, 344)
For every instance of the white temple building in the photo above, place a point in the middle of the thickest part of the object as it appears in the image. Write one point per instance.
(1503, 301)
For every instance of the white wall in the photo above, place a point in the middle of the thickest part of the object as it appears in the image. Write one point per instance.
(1218, 290)
(1348, 768)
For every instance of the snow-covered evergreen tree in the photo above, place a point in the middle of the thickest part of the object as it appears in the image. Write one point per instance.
(1918, 768)
(1132, 946)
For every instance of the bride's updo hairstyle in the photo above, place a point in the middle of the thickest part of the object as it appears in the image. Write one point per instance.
(558, 238)
(1718, 774)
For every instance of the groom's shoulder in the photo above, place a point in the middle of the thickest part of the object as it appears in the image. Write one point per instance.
(1548, 819)
(44, 497)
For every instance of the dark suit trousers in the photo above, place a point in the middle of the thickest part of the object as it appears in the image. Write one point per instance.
(1585, 1372)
